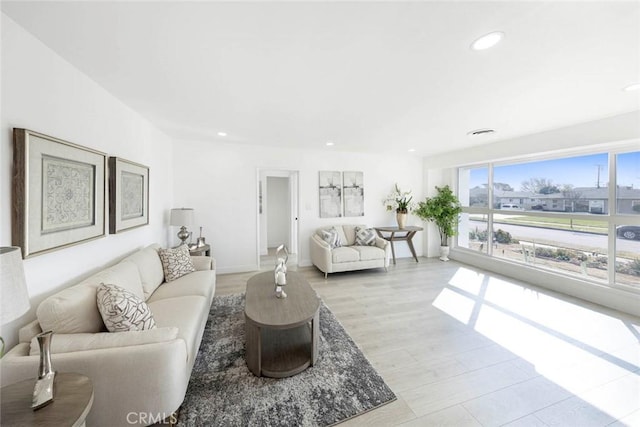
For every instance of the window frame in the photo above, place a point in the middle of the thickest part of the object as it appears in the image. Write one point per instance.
(612, 218)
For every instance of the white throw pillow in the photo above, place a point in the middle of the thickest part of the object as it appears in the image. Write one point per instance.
(122, 310)
(176, 262)
(331, 237)
(365, 236)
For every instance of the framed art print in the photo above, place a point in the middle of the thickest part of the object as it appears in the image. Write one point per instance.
(330, 189)
(128, 195)
(353, 193)
(59, 193)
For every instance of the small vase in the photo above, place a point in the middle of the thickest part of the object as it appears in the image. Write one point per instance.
(43, 390)
(402, 219)
(444, 253)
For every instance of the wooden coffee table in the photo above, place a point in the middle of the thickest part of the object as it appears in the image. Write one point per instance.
(281, 334)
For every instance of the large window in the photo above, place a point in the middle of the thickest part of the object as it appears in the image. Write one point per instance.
(557, 214)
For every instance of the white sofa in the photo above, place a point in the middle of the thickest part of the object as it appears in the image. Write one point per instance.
(348, 256)
(137, 376)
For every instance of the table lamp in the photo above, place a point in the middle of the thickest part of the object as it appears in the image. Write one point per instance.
(181, 217)
(14, 298)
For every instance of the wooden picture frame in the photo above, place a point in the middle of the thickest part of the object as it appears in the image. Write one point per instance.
(128, 195)
(59, 193)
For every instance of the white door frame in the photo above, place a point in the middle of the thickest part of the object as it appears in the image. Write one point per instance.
(261, 181)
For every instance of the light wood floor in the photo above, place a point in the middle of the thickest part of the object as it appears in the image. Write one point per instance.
(463, 347)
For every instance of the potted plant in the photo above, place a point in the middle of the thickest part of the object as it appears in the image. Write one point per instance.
(401, 202)
(444, 210)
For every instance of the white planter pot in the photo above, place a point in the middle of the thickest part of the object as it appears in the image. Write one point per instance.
(444, 253)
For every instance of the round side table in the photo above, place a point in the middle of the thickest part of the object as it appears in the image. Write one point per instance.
(72, 400)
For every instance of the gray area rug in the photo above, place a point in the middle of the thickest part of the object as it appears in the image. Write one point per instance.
(223, 392)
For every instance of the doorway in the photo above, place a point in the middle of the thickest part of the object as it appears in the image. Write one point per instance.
(277, 216)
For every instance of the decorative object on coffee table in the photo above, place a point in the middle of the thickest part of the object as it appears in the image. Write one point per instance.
(182, 217)
(223, 392)
(280, 272)
(281, 334)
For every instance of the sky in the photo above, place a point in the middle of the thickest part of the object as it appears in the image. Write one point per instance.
(578, 171)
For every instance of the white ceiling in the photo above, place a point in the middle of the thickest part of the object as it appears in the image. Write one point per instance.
(370, 76)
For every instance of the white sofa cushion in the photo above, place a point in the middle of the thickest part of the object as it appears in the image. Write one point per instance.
(149, 268)
(188, 314)
(122, 311)
(74, 309)
(345, 254)
(68, 343)
(176, 262)
(201, 283)
(368, 253)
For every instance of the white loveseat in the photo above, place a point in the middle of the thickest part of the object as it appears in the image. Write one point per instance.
(348, 256)
(137, 376)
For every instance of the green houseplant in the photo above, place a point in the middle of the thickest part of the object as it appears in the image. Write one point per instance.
(444, 210)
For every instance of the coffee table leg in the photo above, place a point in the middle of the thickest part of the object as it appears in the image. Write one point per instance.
(315, 333)
(253, 353)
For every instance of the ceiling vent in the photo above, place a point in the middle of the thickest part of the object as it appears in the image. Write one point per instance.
(480, 132)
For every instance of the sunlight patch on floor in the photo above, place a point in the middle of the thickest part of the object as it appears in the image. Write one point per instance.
(559, 340)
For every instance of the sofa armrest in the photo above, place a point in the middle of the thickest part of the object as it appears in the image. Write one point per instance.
(141, 379)
(28, 331)
(321, 254)
(203, 262)
(386, 246)
(68, 343)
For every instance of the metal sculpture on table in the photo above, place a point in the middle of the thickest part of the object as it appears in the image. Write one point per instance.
(43, 391)
(280, 272)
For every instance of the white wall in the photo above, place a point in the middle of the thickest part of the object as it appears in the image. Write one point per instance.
(44, 93)
(278, 211)
(227, 200)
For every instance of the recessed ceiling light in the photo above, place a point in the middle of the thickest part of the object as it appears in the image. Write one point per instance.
(478, 132)
(487, 41)
(412, 150)
(330, 143)
(222, 134)
(634, 86)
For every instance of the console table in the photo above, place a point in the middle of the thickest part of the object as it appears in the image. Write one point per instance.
(405, 235)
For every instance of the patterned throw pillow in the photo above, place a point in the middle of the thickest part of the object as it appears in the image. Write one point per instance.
(365, 236)
(122, 310)
(176, 262)
(331, 237)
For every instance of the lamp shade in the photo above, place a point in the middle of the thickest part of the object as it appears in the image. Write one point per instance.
(181, 216)
(14, 298)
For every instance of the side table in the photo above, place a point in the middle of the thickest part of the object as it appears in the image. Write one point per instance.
(72, 400)
(202, 250)
(409, 231)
